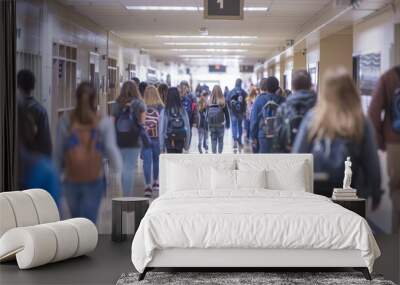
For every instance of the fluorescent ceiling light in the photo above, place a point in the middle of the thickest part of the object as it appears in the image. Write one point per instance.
(207, 44)
(187, 8)
(209, 56)
(205, 37)
(208, 50)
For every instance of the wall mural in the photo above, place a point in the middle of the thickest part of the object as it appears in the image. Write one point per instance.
(369, 70)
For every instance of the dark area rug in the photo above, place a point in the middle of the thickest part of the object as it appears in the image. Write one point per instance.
(243, 278)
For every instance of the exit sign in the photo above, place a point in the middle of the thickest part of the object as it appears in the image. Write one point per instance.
(223, 9)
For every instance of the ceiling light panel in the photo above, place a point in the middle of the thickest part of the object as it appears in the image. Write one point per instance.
(187, 8)
(206, 37)
(206, 44)
(208, 50)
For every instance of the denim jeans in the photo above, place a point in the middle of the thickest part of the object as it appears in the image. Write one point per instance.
(129, 162)
(84, 198)
(217, 138)
(247, 126)
(265, 145)
(151, 158)
(237, 128)
(203, 138)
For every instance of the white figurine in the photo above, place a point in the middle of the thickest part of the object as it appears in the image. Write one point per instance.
(347, 174)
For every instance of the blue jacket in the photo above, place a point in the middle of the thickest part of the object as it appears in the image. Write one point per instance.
(256, 113)
(235, 90)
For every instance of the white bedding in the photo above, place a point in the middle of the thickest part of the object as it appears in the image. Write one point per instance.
(253, 218)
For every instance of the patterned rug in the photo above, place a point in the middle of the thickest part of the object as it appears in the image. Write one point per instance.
(244, 278)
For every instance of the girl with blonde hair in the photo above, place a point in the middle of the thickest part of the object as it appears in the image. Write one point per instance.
(217, 119)
(336, 129)
(151, 152)
(249, 105)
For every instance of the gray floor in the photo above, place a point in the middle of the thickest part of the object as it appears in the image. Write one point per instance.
(103, 266)
(110, 260)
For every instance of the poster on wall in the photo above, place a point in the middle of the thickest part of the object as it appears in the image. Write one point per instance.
(369, 70)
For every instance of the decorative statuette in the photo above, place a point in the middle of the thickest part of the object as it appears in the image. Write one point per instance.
(347, 174)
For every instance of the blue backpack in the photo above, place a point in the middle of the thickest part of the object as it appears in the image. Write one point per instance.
(187, 104)
(127, 128)
(396, 107)
(238, 103)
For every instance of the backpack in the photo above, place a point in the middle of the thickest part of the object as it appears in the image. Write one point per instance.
(151, 122)
(330, 155)
(188, 105)
(215, 116)
(238, 103)
(268, 121)
(127, 128)
(175, 128)
(396, 107)
(294, 115)
(84, 154)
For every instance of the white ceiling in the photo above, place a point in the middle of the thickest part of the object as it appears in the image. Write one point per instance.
(285, 20)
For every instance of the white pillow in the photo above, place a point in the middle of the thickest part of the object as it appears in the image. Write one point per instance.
(223, 179)
(278, 180)
(251, 178)
(280, 174)
(182, 177)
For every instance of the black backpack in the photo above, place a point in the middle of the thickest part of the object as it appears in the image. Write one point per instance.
(294, 115)
(330, 155)
(396, 107)
(215, 116)
(238, 103)
(175, 127)
(268, 120)
(127, 128)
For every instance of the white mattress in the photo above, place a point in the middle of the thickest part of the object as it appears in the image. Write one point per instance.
(253, 219)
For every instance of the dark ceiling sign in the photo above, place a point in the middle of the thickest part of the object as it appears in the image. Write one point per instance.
(223, 9)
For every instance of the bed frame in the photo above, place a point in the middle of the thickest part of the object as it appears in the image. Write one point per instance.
(245, 259)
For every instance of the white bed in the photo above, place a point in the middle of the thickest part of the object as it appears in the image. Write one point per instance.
(202, 220)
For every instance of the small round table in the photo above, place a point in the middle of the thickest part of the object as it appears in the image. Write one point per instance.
(139, 205)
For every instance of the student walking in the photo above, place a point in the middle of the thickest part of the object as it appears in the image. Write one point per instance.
(203, 125)
(174, 130)
(217, 119)
(84, 139)
(386, 97)
(291, 113)
(249, 106)
(162, 90)
(263, 115)
(237, 105)
(336, 129)
(41, 142)
(151, 153)
(189, 104)
(129, 112)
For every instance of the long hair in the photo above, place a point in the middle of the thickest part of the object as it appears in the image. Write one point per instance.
(85, 111)
(162, 90)
(203, 101)
(252, 95)
(338, 111)
(217, 97)
(152, 97)
(129, 91)
(173, 101)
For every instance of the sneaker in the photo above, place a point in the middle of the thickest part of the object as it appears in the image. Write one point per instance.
(155, 186)
(148, 192)
(200, 149)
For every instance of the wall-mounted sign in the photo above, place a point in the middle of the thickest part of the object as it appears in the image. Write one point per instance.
(217, 68)
(246, 68)
(223, 9)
